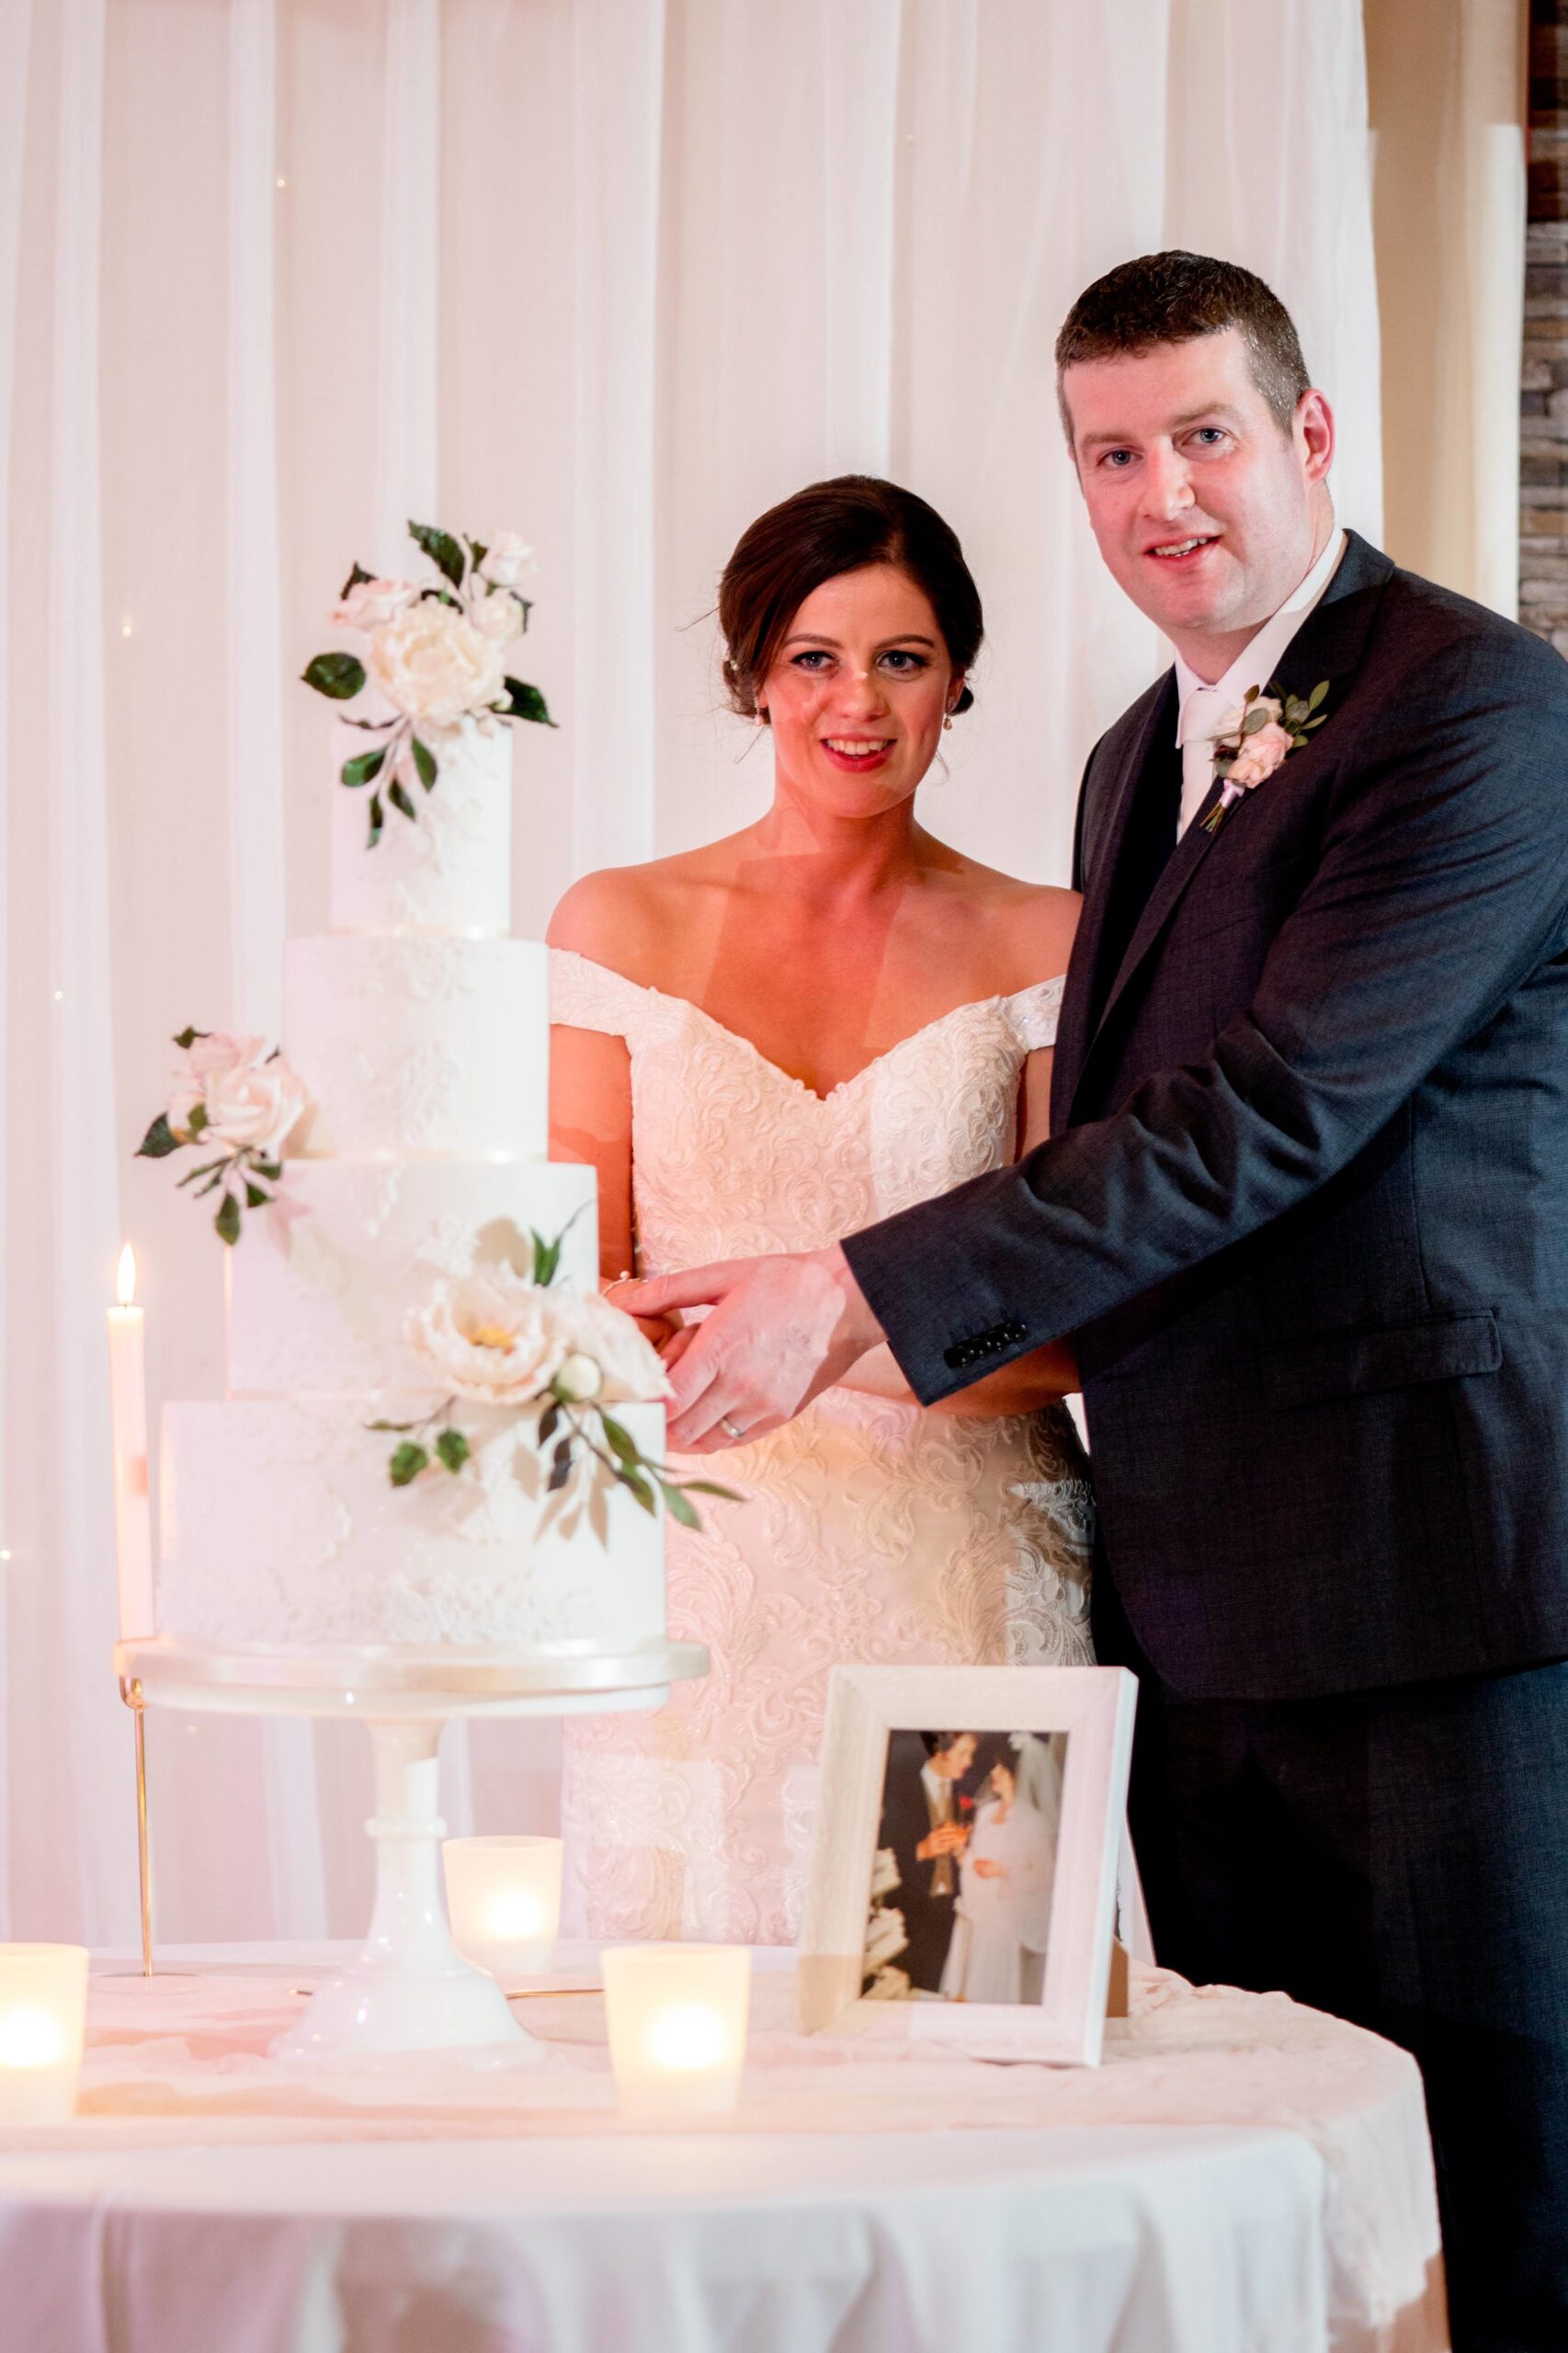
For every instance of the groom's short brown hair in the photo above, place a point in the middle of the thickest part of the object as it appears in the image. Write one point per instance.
(1171, 298)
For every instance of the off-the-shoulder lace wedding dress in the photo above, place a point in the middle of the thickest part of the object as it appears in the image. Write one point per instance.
(870, 1532)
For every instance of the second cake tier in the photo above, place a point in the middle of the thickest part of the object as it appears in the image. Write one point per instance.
(419, 1044)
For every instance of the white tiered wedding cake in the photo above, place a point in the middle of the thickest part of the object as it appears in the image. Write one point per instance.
(436, 1435)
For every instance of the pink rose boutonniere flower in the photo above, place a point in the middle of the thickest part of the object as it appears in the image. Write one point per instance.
(1258, 739)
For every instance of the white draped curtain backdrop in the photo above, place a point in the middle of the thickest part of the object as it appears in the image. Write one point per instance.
(276, 275)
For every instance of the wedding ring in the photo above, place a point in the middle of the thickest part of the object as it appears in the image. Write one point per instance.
(729, 1428)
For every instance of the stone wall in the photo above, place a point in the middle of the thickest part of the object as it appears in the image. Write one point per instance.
(1543, 453)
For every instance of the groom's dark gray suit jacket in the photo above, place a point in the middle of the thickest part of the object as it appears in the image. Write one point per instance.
(1304, 1209)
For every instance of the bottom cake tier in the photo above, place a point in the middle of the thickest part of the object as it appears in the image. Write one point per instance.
(281, 1526)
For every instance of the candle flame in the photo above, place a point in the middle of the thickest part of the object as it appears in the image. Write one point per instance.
(516, 1915)
(126, 1281)
(30, 2038)
(686, 2038)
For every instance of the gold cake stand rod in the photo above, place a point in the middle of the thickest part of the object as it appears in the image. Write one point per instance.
(132, 1693)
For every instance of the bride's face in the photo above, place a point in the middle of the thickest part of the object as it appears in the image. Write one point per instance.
(858, 691)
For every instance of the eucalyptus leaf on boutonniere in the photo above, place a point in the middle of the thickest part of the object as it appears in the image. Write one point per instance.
(435, 651)
(560, 1359)
(237, 1094)
(1258, 738)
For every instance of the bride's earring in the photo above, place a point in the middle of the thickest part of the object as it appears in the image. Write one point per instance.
(947, 721)
(759, 716)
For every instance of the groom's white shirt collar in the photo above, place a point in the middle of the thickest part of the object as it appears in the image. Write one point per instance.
(1254, 667)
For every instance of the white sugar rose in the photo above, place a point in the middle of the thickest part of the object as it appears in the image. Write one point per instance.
(433, 663)
(250, 1095)
(498, 617)
(255, 1109)
(508, 559)
(628, 1364)
(494, 1335)
(371, 604)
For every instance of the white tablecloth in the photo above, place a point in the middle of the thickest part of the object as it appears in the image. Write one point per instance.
(1242, 2176)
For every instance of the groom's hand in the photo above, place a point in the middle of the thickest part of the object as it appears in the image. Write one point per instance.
(782, 1330)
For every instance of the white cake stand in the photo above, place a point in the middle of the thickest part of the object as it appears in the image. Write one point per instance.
(408, 1988)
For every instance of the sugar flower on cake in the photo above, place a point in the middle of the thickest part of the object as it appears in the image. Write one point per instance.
(492, 1336)
(432, 662)
(560, 1358)
(435, 656)
(236, 1099)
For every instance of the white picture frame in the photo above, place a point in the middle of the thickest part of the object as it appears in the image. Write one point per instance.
(1094, 1707)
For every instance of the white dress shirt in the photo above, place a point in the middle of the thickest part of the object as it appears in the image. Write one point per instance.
(1202, 710)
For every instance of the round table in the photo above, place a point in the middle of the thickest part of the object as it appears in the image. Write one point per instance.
(1241, 2176)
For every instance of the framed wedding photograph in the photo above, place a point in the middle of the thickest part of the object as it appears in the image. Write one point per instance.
(963, 1884)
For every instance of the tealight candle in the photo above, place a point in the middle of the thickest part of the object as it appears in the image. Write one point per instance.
(503, 1902)
(43, 2005)
(677, 2024)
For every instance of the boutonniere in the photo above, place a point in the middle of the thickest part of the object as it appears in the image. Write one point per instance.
(1257, 738)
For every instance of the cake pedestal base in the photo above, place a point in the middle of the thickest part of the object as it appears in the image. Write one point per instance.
(409, 1988)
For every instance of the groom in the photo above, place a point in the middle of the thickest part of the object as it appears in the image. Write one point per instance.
(1304, 1212)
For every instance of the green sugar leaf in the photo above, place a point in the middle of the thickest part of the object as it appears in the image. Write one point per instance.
(336, 676)
(678, 1508)
(638, 1485)
(620, 1438)
(442, 550)
(453, 1448)
(364, 766)
(159, 1140)
(424, 763)
(408, 1461)
(525, 702)
(399, 799)
(228, 1220)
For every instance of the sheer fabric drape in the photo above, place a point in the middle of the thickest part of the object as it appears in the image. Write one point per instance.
(275, 274)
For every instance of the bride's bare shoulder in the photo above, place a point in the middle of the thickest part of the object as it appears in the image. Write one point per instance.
(626, 916)
(1028, 926)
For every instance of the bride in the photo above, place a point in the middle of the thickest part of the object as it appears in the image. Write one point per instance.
(1003, 1911)
(760, 1045)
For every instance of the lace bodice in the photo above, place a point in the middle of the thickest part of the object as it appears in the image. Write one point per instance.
(733, 1157)
(868, 1530)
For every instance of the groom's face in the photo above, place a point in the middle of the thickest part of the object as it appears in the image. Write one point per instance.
(1206, 510)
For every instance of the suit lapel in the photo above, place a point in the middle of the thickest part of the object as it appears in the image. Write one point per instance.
(1329, 644)
(1079, 1005)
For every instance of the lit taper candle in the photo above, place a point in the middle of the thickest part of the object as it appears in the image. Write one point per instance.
(128, 1403)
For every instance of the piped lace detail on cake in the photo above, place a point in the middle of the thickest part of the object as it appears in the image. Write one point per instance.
(870, 1532)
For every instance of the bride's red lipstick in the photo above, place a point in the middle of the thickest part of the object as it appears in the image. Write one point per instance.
(879, 752)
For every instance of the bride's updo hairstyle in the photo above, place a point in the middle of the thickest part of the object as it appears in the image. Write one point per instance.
(828, 528)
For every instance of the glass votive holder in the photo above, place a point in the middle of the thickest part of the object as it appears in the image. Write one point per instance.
(43, 2011)
(503, 1902)
(677, 2024)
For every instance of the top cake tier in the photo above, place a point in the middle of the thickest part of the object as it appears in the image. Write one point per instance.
(449, 869)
